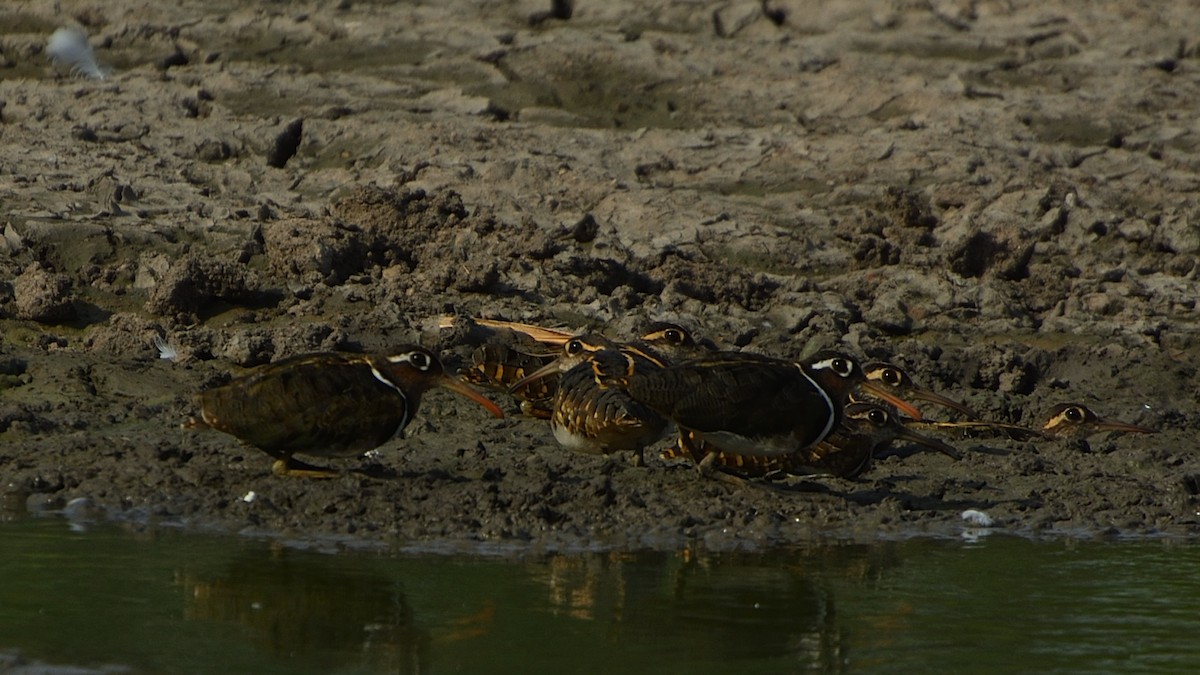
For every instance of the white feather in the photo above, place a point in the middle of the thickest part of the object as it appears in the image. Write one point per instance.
(977, 518)
(70, 48)
(166, 350)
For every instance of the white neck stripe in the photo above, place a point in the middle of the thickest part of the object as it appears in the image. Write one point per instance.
(379, 376)
(828, 402)
(404, 406)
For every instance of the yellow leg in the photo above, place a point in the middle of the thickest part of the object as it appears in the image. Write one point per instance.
(706, 464)
(639, 457)
(297, 469)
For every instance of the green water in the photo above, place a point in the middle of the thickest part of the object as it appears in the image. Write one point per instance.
(113, 600)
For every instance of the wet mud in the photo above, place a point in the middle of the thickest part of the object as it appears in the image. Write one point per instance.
(1000, 198)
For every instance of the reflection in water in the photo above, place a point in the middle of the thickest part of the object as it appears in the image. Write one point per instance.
(718, 608)
(297, 605)
(167, 602)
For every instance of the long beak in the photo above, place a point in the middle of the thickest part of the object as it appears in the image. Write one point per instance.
(459, 387)
(904, 433)
(548, 336)
(1110, 425)
(926, 395)
(901, 405)
(548, 369)
(1013, 431)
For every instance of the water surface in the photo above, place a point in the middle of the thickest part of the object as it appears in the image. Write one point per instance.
(113, 599)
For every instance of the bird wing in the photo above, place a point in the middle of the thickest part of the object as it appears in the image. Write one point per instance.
(321, 405)
(748, 397)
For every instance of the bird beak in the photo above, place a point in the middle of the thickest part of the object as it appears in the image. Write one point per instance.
(459, 387)
(548, 369)
(1109, 425)
(938, 399)
(544, 335)
(901, 405)
(1014, 431)
(904, 433)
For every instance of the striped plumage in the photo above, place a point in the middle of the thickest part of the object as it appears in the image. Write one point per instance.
(593, 418)
(498, 366)
(897, 380)
(327, 404)
(1075, 421)
(846, 453)
(747, 403)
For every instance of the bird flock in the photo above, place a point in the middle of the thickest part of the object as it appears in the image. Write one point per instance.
(734, 414)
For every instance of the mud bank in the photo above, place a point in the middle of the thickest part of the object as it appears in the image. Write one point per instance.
(1000, 198)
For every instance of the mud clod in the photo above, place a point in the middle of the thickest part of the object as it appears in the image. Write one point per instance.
(43, 296)
(192, 284)
(286, 143)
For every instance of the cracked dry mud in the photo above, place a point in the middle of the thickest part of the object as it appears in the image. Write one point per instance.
(999, 196)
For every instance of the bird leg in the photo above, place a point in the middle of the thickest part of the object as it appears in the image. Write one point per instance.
(293, 467)
(639, 457)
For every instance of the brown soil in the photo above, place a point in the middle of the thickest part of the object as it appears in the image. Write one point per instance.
(1000, 197)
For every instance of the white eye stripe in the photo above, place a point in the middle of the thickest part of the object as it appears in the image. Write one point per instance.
(837, 364)
(418, 360)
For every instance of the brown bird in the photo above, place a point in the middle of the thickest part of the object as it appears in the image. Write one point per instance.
(591, 417)
(745, 403)
(1074, 421)
(672, 342)
(498, 366)
(846, 453)
(327, 404)
(897, 380)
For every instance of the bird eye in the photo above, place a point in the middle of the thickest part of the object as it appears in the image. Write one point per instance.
(840, 365)
(892, 377)
(419, 360)
(877, 416)
(673, 335)
(1074, 414)
(574, 347)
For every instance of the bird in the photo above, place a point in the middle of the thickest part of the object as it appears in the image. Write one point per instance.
(671, 341)
(746, 403)
(593, 418)
(1075, 421)
(498, 366)
(1067, 422)
(847, 452)
(329, 404)
(899, 381)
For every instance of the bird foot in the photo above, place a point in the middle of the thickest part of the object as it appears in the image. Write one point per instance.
(706, 464)
(296, 469)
